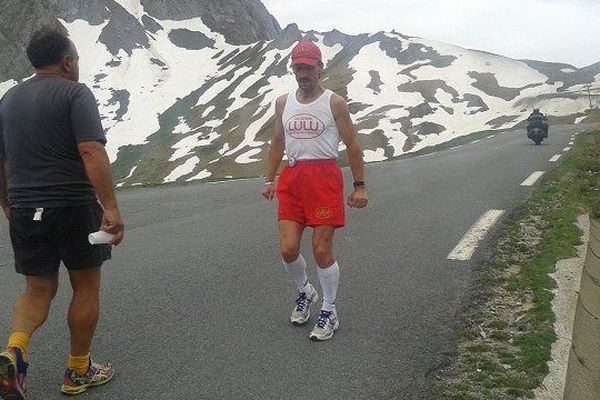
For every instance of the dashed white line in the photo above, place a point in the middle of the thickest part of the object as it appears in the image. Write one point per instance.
(468, 244)
(532, 179)
(566, 149)
(475, 141)
(555, 158)
(456, 147)
(489, 137)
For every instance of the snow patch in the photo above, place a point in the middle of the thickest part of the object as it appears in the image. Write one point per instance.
(387, 68)
(183, 70)
(187, 144)
(377, 155)
(207, 111)
(327, 52)
(224, 149)
(182, 127)
(130, 173)
(184, 169)
(201, 175)
(246, 158)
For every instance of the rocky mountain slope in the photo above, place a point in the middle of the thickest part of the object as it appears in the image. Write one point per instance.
(186, 87)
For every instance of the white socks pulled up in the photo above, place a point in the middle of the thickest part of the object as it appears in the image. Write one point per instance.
(329, 279)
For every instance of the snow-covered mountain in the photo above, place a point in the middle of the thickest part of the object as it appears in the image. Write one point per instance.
(187, 87)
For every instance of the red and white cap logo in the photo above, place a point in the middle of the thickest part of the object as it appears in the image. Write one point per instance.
(306, 52)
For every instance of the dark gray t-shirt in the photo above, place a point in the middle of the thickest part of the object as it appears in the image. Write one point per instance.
(41, 122)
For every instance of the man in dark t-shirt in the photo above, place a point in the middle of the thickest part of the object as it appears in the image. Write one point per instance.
(55, 188)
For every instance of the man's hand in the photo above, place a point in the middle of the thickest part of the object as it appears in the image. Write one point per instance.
(112, 223)
(268, 191)
(358, 198)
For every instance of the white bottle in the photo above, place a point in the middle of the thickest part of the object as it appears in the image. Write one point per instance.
(100, 237)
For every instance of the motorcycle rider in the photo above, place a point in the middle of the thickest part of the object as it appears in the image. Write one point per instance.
(537, 120)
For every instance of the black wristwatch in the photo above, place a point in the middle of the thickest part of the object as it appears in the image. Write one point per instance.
(358, 184)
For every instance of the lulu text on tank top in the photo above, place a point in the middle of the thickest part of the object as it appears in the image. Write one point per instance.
(310, 129)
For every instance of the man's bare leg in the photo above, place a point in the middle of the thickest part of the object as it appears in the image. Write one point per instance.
(84, 309)
(290, 236)
(31, 309)
(81, 372)
(322, 243)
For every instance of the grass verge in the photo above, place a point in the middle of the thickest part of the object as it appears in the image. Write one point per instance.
(507, 329)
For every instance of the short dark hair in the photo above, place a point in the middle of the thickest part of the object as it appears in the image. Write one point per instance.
(47, 47)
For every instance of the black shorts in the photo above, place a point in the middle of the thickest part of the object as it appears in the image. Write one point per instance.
(60, 235)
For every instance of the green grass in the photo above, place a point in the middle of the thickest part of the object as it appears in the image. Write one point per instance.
(522, 348)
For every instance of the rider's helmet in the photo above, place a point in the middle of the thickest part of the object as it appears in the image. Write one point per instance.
(536, 110)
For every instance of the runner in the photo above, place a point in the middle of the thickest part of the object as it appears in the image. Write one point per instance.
(52, 166)
(308, 125)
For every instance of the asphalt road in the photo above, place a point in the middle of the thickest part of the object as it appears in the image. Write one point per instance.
(196, 304)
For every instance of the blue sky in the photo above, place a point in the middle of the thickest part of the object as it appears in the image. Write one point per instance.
(548, 30)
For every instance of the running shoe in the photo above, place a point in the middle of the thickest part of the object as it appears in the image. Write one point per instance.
(301, 311)
(13, 371)
(326, 325)
(97, 375)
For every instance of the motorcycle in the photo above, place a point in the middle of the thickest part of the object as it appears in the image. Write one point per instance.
(537, 135)
(538, 131)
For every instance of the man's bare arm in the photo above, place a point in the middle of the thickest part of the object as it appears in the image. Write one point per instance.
(277, 142)
(276, 150)
(97, 167)
(341, 113)
(348, 133)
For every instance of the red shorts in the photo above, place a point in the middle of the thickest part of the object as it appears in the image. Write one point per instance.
(312, 193)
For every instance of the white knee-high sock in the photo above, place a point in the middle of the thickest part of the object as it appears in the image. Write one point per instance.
(297, 272)
(329, 279)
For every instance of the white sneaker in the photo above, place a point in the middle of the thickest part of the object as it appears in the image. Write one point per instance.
(301, 311)
(327, 324)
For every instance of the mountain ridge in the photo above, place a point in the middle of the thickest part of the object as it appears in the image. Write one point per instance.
(183, 102)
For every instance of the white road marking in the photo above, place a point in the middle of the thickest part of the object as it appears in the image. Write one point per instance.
(566, 149)
(466, 247)
(555, 158)
(532, 178)
(456, 147)
(475, 141)
(491, 136)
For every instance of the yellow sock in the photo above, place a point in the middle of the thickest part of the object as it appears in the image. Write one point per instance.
(20, 340)
(79, 364)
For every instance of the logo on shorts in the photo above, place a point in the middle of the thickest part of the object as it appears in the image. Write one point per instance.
(323, 212)
(305, 126)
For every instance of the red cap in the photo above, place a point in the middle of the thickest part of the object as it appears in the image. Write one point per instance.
(306, 52)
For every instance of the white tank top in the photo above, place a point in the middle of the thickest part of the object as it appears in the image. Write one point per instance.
(310, 129)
